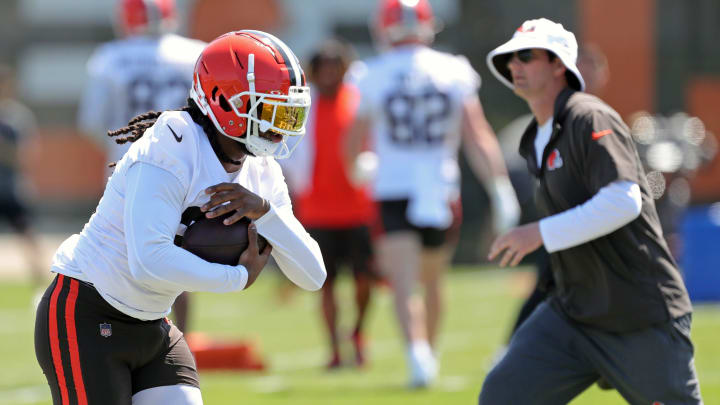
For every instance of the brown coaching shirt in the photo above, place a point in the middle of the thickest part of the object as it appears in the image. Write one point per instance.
(623, 281)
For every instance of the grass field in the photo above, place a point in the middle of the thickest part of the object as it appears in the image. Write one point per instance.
(481, 306)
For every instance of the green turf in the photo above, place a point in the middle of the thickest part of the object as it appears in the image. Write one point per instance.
(291, 340)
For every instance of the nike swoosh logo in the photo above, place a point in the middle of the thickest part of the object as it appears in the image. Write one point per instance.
(599, 134)
(177, 138)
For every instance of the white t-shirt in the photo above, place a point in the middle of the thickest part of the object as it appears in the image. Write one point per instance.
(126, 249)
(413, 96)
(542, 137)
(130, 76)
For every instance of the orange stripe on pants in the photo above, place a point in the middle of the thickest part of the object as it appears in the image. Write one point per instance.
(55, 342)
(73, 343)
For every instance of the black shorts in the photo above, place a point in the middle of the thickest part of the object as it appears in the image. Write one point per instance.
(13, 211)
(92, 353)
(394, 219)
(351, 246)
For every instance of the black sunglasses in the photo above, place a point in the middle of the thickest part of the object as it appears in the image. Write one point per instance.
(524, 55)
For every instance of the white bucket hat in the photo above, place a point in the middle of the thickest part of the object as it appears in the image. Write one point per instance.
(542, 34)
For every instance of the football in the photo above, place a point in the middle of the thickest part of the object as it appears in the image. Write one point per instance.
(210, 239)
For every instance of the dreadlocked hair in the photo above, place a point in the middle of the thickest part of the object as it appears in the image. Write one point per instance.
(137, 126)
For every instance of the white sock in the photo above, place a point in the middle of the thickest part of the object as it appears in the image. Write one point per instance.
(421, 349)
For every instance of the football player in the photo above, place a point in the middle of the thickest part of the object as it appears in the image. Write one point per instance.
(101, 334)
(419, 105)
(337, 213)
(146, 68)
(17, 125)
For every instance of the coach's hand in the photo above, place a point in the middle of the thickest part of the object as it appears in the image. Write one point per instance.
(238, 198)
(254, 260)
(516, 243)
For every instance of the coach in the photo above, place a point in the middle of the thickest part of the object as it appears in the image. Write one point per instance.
(620, 310)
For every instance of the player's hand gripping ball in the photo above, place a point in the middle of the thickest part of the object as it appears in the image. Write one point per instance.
(211, 240)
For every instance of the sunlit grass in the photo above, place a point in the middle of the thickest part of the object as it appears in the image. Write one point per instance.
(288, 331)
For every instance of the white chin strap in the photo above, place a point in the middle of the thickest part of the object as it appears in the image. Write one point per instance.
(259, 146)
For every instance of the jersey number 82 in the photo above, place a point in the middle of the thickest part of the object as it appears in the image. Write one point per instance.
(417, 119)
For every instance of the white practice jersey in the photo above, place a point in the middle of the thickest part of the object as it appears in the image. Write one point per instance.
(413, 96)
(130, 76)
(126, 249)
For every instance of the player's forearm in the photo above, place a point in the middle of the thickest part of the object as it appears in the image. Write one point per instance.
(297, 254)
(485, 158)
(152, 205)
(481, 146)
(354, 141)
(167, 263)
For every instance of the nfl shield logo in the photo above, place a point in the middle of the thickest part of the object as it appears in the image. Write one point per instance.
(105, 330)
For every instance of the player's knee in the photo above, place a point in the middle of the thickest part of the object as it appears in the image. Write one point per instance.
(496, 389)
(169, 394)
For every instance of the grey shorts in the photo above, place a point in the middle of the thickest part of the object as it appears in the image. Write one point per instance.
(551, 359)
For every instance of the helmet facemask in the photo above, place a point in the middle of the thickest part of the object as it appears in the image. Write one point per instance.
(284, 115)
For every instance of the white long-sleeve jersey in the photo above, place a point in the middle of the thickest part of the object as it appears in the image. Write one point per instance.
(413, 96)
(126, 249)
(130, 76)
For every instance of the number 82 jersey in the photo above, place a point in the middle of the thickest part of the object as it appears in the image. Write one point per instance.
(413, 97)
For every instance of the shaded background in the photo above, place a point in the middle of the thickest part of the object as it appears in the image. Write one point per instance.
(663, 58)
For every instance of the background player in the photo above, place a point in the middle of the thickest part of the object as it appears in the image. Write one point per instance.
(418, 105)
(147, 68)
(337, 213)
(17, 124)
(101, 334)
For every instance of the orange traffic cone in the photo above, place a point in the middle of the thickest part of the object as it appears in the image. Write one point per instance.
(224, 355)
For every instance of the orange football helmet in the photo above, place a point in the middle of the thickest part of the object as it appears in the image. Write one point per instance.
(249, 82)
(400, 21)
(145, 17)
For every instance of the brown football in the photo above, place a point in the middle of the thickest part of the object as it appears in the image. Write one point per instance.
(216, 242)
